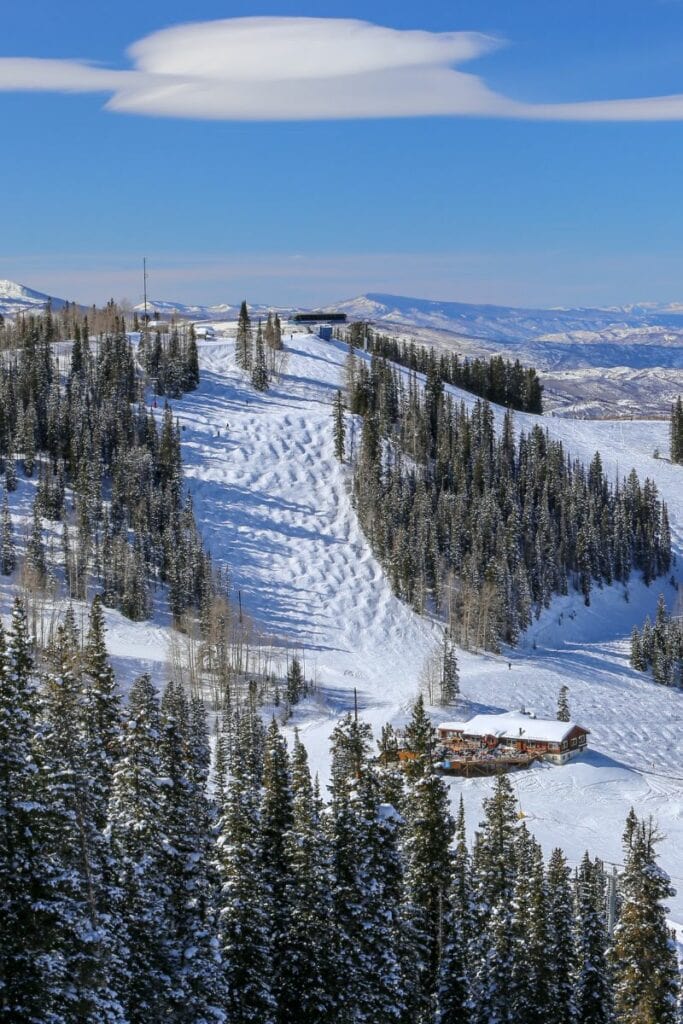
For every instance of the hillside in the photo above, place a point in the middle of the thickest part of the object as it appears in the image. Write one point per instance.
(273, 503)
(510, 325)
(16, 298)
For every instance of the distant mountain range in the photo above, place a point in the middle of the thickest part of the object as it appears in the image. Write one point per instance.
(16, 298)
(509, 324)
(637, 336)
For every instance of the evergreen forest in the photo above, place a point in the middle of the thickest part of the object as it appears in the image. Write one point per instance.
(658, 647)
(144, 879)
(107, 464)
(486, 525)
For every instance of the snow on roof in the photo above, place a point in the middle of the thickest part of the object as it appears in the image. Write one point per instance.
(513, 724)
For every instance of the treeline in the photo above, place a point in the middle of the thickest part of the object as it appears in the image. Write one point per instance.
(676, 431)
(496, 379)
(659, 646)
(259, 354)
(127, 523)
(64, 324)
(143, 881)
(484, 526)
(170, 360)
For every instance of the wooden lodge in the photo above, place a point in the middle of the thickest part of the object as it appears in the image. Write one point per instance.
(488, 743)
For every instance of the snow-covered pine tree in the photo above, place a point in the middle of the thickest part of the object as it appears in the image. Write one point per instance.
(365, 910)
(84, 934)
(102, 711)
(8, 557)
(196, 987)
(295, 682)
(592, 987)
(243, 341)
(420, 737)
(563, 712)
(277, 330)
(35, 566)
(137, 842)
(494, 870)
(309, 975)
(244, 923)
(428, 831)
(560, 950)
(339, 426)
(191, 361)
(531, 974)
(276, 823)
(10, 468)
(643, 954)
(450, 679)
(453, 1000)
(25, 873)
(259, 369)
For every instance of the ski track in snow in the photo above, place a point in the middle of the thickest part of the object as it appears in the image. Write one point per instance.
(273, 505)
(273, 502)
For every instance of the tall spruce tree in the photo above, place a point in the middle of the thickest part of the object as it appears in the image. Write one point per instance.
(27, 972)
(495, 869)
(244, 922)
(449, 683)
(259, 369)
(137, 841)
(85, 927)
(453, 999)
(593, 989)
(276, 823)
(308, 972)
(8, 558)
(428, 831)
(560, 949)
(196, 987)
(102, 711)
(243, 342)
(563, 712)
(339, 426)
(643, 955)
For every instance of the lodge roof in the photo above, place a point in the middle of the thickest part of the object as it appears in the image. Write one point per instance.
(514, 725)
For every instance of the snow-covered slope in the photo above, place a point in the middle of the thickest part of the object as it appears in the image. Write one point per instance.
(274, 503)
(16, 298)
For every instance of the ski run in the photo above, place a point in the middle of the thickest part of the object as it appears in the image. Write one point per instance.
(273, 505)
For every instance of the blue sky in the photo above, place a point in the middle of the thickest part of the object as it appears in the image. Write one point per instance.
(501, 199)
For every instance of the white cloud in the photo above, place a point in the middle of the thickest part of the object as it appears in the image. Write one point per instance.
(308, 68)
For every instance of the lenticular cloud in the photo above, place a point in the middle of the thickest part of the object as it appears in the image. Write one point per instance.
(307, 68)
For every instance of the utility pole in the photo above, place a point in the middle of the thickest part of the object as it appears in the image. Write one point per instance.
(144, 285)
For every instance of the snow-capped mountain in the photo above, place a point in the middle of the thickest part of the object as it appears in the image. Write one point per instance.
(509, 324)
(222, 311)
(17, 298)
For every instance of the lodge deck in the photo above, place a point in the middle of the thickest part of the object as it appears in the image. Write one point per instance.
(478, 765)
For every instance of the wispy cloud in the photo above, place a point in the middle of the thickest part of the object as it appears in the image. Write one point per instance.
(308, 68)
